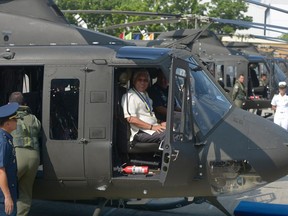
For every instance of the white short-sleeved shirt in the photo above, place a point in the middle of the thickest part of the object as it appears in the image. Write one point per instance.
(134, 106)
(281, 102)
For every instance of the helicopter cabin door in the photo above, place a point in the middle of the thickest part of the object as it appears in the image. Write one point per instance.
(181, 153)
(98, 123)
(63, 122)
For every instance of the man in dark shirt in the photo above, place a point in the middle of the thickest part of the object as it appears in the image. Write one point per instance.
(159, 95)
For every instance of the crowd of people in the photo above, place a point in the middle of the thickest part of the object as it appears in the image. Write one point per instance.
(279, 101)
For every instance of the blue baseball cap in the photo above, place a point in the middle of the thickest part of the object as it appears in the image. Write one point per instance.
(9, 110)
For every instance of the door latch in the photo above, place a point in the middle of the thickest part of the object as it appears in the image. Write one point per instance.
(83, 141)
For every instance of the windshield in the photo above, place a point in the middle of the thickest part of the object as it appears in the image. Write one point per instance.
(200, 99)
(279, 74)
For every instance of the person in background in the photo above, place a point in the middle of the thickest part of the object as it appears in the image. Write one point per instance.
(8, 164)
(263, 83)
(239, 91)
(159, 95)
(26, 143)
(280, 105)
(263, 80)
(138, 111)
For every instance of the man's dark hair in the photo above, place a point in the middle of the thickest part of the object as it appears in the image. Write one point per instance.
(240, 75)
(262, 75)
(17, 97)
(3, 120)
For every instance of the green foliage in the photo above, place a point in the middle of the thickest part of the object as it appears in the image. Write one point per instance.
(93, 21)
(228, 9)
(284, 36)
(100, 21)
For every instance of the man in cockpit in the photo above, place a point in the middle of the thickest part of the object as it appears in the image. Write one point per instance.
(159, 95)
(138, 111)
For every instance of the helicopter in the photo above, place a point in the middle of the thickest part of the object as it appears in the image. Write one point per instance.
(260, 64)
(73, 79)
(225, 64)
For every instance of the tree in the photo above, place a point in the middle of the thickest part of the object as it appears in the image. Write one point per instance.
(284, 37)
(96, 21)
(228, 9)
(185, 8)
(93, 20)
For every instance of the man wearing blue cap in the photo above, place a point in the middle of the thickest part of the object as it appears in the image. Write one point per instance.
(8, 165)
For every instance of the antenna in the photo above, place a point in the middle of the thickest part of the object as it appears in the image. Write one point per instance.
(80, 21)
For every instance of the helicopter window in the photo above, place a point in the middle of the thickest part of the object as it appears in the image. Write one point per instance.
(64, 106)
(211, 68)
(279, 74)
(182, 124)
(220, 72)
(202, 104)
(231, 74)
(25, 79)
(209, 105)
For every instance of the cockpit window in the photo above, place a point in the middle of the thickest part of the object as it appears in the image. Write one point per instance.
(279, 74)
(203, 104)
(209, 105)
(64, 106)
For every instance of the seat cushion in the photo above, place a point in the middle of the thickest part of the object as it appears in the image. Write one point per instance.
(143, 148)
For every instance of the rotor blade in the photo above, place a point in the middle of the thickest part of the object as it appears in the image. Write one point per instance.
(141, 23)
(246, 24)
(268, 29)
(279, 48)
(258, 27)
(269, 38)
(134, 13)
(267, 6)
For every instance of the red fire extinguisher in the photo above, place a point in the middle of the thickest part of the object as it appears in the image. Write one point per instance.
(135, 170)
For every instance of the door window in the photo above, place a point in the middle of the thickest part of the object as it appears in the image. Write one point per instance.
(64, 107)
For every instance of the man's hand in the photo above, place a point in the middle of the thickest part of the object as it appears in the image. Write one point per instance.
(159, 128)
(9, 205)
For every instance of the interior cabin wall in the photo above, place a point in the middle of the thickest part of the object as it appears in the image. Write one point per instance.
(25, 79)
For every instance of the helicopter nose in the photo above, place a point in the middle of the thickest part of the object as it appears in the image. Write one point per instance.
(246, 151)
(267, 147)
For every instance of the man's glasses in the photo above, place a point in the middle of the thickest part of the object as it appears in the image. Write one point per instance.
(142, 80)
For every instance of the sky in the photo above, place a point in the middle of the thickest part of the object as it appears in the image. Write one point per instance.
(274, 17)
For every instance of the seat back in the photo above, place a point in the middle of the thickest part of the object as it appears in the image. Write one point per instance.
(121, 122)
